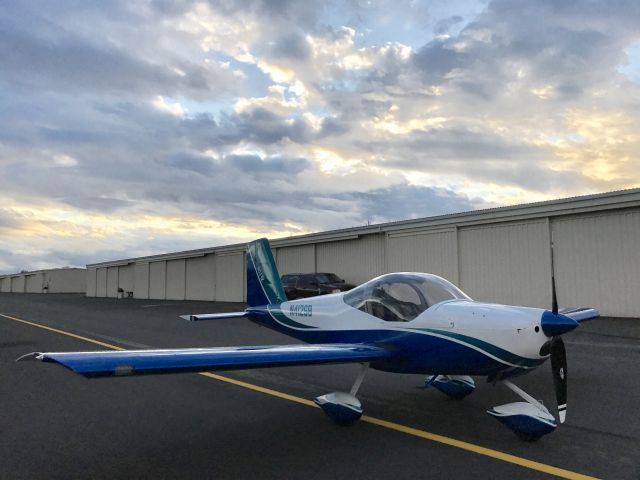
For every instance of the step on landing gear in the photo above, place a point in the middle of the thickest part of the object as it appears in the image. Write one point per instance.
(341, 407)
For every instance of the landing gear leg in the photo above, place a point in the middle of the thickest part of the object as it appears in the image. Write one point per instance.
(529, 420)
(454, 386)
(344, 408)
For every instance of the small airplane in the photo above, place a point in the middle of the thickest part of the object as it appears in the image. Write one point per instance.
(398, 322)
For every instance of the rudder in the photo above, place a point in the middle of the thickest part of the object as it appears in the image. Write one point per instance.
(263, 281)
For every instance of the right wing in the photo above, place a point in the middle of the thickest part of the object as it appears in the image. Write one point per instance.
(580, 314)
(140, 362)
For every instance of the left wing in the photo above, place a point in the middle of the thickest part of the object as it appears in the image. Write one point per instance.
(140, 362)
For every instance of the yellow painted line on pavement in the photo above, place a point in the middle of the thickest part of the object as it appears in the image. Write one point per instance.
(62, 332)
(470, 447)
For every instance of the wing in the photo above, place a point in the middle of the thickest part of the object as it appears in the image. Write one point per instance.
(580, 314)
(140, 362)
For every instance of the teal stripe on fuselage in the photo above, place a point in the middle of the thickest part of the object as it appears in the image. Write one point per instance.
(499, 353)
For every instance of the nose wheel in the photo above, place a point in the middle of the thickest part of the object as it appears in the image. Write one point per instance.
(529, 420)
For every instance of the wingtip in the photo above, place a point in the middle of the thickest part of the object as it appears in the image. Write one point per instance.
(188, 318)
(30, 357)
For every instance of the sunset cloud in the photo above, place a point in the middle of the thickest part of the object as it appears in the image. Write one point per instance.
(132, 128)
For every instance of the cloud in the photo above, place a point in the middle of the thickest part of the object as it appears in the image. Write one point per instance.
(252, 118)
(402, 201)
(7, 218)
(40, 54)
(256, 165)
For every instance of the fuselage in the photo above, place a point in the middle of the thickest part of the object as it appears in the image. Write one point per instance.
(456, 336)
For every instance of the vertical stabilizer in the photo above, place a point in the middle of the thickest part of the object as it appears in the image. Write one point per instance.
(263, 281)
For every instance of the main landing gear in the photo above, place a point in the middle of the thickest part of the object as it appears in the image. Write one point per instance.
(344, 408)
(453, 386)
(529, 420)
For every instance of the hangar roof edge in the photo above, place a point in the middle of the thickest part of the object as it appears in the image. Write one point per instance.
(35, 272)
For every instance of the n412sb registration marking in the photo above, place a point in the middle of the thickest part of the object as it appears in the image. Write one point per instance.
(301, 310)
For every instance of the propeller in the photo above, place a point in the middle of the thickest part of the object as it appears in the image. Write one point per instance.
(553, 325)
(559, 372)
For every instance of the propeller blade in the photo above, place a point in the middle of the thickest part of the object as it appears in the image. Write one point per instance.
(554, 296)
(559, 371)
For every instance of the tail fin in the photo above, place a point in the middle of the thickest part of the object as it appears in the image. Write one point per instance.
(263, 281)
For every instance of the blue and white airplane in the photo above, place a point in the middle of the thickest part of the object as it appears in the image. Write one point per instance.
(398, 322)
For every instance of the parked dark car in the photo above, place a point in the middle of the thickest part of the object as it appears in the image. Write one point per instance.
(302, 285)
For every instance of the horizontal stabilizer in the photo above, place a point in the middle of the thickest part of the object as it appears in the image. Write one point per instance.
(213, 316)
(580, 314)
(140, 362)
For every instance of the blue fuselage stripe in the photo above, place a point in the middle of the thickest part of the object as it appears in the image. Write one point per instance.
(423, 350)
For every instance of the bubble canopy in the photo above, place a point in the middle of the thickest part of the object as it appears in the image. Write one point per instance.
(401, 297)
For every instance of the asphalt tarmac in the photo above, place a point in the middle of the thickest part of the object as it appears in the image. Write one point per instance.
(55, 424)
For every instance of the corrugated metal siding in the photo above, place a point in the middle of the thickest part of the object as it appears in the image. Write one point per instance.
(597, 262)
(92, 282)
(112, 282)
(141, 280)
(157, 280)
(5, 285)
(17, 284)
(34, 283)
(507, 263)
(431, 252)
(66, 280)
(230, 278)
(101, 276)
(354, 260)
(176, 278)
(201, 278)
(300, 259)
(125, 278)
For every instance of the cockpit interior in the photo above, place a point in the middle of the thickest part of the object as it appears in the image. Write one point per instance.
(401, 297)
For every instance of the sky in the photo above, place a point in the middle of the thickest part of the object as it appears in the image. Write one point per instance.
(132, 128)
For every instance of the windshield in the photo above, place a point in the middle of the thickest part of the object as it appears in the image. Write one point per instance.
(328, 278)
(401, 297)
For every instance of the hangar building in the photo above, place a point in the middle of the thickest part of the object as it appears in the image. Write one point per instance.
(500, 254)
(58, 280)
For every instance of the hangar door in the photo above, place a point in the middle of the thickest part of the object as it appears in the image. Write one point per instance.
(354, 260)
(141, 280)
(6, 284)
(176, 273)
(92, 282)
(507, 263)
(34, 283)
(17, 284)
(299, 259)
(597, 262)
(429, 251)
(201, 278)
(157, 280)
(230, 277)
(112, 282)
(101, 282)
(125, 278)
